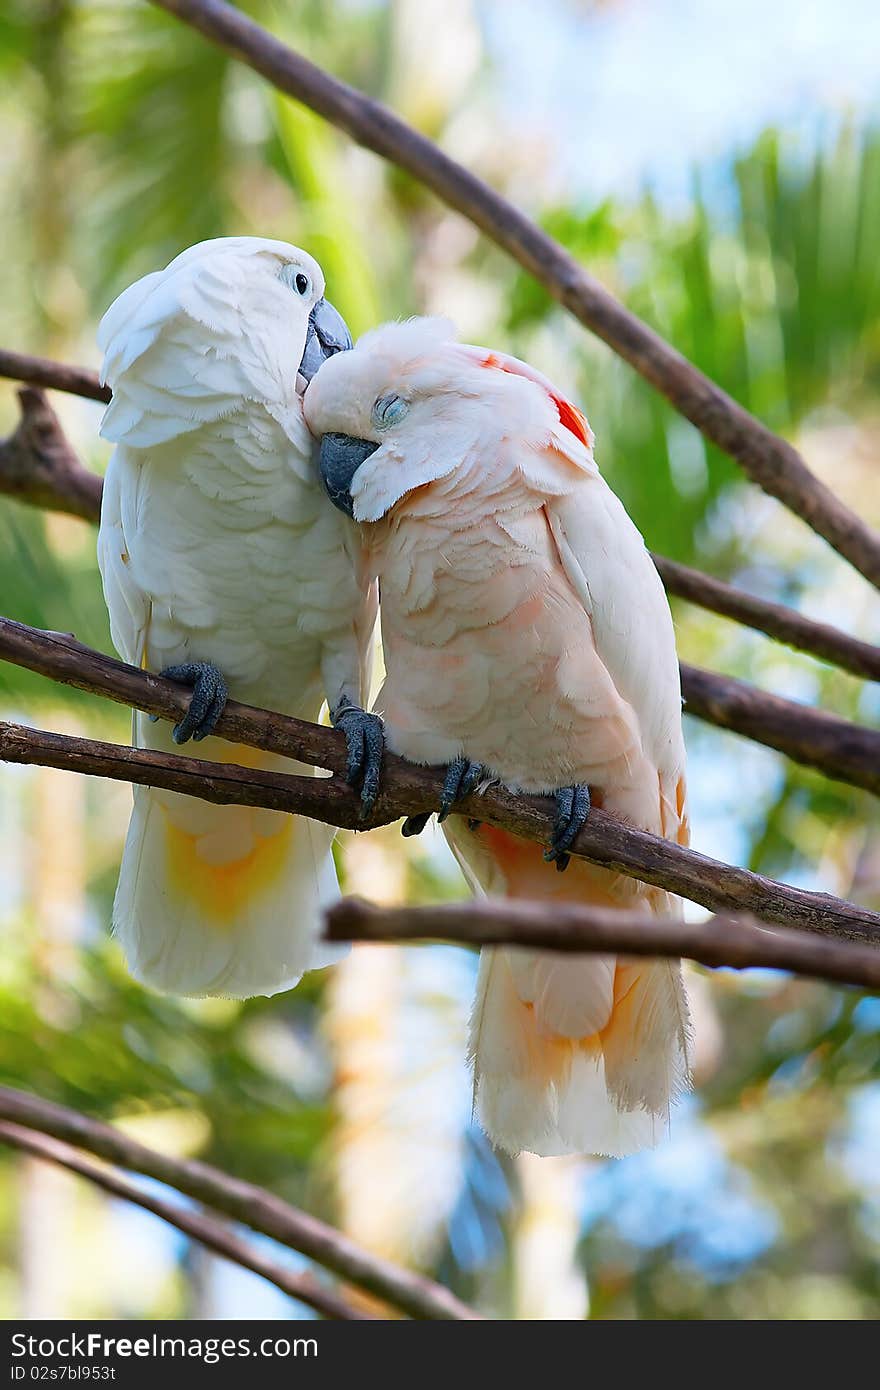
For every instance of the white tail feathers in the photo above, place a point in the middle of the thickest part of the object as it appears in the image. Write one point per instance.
(577, 1055)
(222, 900)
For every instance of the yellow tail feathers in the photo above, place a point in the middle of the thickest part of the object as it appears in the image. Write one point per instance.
(221, 900)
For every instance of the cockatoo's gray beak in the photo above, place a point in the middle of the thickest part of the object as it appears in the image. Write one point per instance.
(327, 334)
(341, 457)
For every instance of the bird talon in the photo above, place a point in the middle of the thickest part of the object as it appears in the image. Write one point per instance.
(365, 746)
(462, 777)
(572, 810)
(209, 696)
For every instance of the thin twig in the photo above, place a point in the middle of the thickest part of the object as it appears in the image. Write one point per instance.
(721, 942)
(252, 1206)
(409, 790)
(207, 1230)
(771, 462)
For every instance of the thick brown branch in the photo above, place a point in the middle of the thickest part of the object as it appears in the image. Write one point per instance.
(41, 371)
(771, 462)
(207, 1230)
(77, 490)
(833, 745)
(775, 619)
(38, 466)
(60, 657)
(408, 790)
(738, 943)
(242, 1201)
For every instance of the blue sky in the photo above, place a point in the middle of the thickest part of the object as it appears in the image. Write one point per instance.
(639, 91)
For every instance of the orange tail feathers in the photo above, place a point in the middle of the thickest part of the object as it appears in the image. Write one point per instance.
(571, 1054)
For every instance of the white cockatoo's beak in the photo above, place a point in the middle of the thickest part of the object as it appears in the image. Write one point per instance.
(327, 334)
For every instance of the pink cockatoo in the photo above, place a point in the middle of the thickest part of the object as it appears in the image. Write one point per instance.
(527, 639)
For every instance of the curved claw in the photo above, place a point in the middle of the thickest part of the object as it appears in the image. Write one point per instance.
(572, 809)
(462, 777)
(414, 825)
(209, 698)
(365, 746)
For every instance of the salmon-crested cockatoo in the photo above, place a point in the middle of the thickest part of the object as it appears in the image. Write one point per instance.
(527, 639)
(224, 568)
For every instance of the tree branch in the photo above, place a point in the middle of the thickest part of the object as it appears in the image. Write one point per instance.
(205, 1229)
(252, 1206)
(824, 741)
(409, 790)
(738, 943)
(775, 619)
(771, 462)
(64, 490)
(41, 371)
(813, 737)
(38, 466)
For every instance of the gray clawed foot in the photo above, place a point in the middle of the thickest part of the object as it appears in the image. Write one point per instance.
(572, 809)
(365, 743)
(209, 696)
(462, 778)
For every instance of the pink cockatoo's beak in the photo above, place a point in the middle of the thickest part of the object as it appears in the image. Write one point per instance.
(340, 458)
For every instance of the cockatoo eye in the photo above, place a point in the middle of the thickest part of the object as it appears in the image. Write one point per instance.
(296, 279)
(389, 410)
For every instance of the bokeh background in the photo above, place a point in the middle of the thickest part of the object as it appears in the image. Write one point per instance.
(718, 166)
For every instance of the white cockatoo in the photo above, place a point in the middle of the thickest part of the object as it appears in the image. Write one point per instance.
(527, 639)
(223, 567)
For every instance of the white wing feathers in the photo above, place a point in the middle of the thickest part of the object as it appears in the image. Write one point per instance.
(127, 604)
(604, 557)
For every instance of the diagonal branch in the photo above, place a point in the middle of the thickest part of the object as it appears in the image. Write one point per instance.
(738, 943)
(243, 1202)
(207, 1230)
(770, 461)
(809, 736)
(784, 624)
(775, 619)
(824, 741)
(409, 790)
